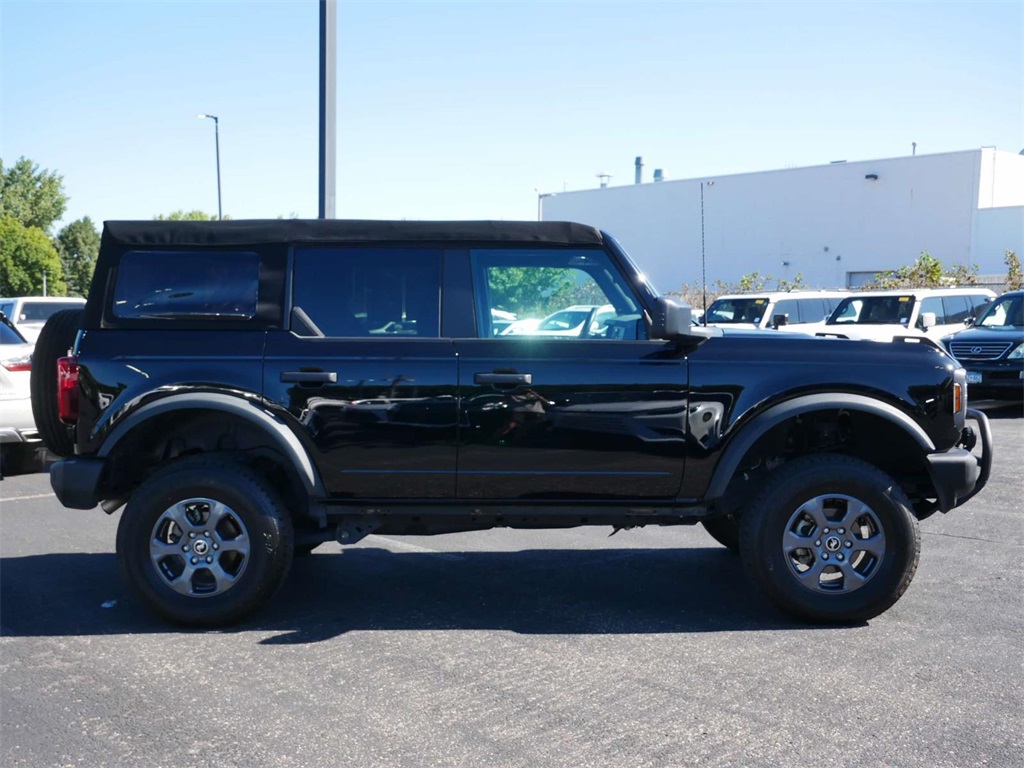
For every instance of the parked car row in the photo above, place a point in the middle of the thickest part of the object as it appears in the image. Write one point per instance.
(985, 333)
(873, 315)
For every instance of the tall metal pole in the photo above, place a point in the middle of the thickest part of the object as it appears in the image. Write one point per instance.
(328, 106)
(216, 140)
(703, 262)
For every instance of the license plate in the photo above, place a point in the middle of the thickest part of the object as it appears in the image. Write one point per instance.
(974, 377)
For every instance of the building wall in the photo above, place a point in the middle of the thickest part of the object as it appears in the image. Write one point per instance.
(821, 222)
(995, 231)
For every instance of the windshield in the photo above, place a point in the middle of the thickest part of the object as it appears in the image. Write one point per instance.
(40, 311)
(1004, 312)
(873, 310)
(745, 310)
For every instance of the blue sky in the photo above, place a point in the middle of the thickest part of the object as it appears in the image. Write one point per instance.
(463, 109)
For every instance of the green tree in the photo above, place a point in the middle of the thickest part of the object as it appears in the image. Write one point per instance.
(25, 253)
(181, 215)
(528, 291)
(79, 244)
(926, 272)
(32, 197)
(693, 293)
(1014, 277)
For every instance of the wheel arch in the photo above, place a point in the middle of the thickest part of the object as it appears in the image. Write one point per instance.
(205, 422)
(868, 424)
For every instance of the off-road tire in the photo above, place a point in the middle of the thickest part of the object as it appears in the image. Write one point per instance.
(252, 502)
(56, 338)
(768, 540)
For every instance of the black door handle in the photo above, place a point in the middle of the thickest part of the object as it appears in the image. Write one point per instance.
(503, 379)
(309, 377)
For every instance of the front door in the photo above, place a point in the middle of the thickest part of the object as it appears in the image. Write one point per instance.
(562, 396)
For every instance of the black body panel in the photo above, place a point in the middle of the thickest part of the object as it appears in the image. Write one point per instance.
(477, 422)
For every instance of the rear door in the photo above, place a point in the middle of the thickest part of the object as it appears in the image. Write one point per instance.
(595, 414)
(364, 370)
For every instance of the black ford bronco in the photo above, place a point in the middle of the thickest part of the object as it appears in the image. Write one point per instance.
(248, 390)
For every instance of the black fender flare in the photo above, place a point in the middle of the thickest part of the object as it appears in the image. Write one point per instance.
(752, 432)
(253, 412)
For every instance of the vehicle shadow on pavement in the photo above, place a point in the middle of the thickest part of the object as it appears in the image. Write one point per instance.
(529, 592)
(620, 591)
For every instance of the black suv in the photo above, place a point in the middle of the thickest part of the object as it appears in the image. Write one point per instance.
(251, 389)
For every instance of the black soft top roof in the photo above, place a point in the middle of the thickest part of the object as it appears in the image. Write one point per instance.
(256, 231)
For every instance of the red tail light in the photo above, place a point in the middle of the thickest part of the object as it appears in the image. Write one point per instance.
(67, 390)
(18, 364)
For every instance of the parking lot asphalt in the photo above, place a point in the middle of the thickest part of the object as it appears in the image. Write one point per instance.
(515, 648)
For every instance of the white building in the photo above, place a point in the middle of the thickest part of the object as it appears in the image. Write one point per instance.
(836, 225)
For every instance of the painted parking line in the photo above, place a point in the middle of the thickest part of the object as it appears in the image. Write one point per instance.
(26, 498)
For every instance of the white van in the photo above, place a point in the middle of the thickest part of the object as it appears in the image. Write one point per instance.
(885, 315)
(759, 311)
(29, 313)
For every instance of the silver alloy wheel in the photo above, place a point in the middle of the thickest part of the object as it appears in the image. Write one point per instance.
(834, 544)
(199, 547)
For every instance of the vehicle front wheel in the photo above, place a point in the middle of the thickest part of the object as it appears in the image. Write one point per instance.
(831, 539)
(204, 542)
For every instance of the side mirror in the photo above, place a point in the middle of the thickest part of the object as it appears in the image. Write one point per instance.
(927, 320)
(670, 320)
(779, 320)
(970, 320)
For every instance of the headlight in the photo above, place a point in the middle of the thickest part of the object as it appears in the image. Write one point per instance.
(1017, 354)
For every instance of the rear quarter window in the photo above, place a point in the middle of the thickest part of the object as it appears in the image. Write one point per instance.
(205, 285)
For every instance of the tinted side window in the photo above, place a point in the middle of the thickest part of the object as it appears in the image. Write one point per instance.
(553, 293)
(366, 292)
(956, 307)
(789, 307)
(978, 302)
(931, 304)
(813, 310)
(187, 284)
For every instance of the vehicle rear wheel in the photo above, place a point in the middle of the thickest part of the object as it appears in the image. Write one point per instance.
(56, 338)
(204, 542)
(831, 539)
(725, 529)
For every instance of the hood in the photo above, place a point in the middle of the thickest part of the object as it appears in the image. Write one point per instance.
(866, 332)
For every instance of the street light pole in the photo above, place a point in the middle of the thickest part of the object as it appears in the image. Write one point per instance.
(216, 139)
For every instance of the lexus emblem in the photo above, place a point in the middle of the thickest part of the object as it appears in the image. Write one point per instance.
(975, 350)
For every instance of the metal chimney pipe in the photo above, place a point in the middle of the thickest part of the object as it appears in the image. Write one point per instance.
(659, 175)
(639, 163)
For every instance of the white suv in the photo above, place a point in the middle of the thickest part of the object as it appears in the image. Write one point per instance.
(758, 311)
(885, 315)
(29, 313)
